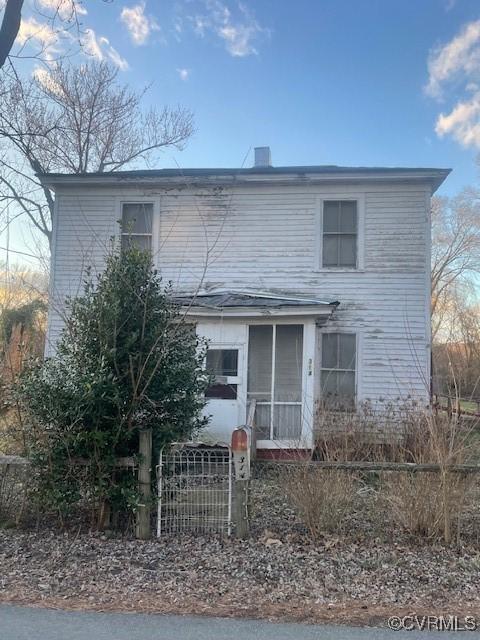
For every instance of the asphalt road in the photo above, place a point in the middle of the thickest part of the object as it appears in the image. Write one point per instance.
(22, 623)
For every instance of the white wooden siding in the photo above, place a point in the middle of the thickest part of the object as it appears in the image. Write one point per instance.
(265, 237)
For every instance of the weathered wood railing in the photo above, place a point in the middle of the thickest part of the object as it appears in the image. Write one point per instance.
(120, 463)
(409, 467)
(453, 405)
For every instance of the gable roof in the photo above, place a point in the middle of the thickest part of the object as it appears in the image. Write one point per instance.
(277, 175)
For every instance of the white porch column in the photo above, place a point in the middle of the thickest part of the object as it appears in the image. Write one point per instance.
(308, 409)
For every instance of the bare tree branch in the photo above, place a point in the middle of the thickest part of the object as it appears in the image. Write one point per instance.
(455, 250)
(77, 120)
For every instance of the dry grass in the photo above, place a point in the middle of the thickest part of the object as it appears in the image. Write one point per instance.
(427, 505)
(432, 504)
(13, 494)
(322, 498)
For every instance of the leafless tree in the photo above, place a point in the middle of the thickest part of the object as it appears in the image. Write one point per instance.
(455, 251)
(76, 119)
(48, 23)
(457, 349)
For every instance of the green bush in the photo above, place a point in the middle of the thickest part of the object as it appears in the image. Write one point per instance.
(127, 360)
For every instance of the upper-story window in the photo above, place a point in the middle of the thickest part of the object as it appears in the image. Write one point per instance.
(137, 221)
(340, 234)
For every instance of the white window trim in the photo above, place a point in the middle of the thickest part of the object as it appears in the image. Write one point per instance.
(359, 198)
(227, 347)
(358, 348)
(133, 199)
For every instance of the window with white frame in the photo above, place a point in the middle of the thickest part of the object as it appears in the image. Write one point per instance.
(338, 360)
(275, 356)
(137, 224)
(340, 234)
(222, 365)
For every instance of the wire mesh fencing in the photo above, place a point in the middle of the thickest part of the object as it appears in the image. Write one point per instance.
(194, 490)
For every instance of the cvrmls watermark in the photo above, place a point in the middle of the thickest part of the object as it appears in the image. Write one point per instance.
(432, 623)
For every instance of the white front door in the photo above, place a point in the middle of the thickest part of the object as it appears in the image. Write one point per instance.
(226, 361)
(223, 396)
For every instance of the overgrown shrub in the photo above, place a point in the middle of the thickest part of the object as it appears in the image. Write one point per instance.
(371, 432)
(431, 504)
(425, 504)
(14, 480)
(22, 337)
(322, 498)
(126, 361)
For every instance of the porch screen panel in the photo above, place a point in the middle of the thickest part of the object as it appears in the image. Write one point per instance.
(259, 386)
(287, 412)
(275, 357)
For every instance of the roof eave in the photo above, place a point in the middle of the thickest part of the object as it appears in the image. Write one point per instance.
(434, 177)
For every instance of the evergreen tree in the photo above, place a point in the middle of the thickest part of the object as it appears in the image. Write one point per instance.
(127, 360)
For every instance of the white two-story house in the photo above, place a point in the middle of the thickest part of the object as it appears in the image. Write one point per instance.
(312, 283)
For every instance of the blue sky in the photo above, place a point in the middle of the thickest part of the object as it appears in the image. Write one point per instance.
(352, 82)
(324, 81)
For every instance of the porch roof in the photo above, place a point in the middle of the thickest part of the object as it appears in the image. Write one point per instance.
(253, 303)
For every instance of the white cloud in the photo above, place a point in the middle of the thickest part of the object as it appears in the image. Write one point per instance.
(43, 36)
(458, 58)
(65, 9)
(454, 70)
(183, 73)
(238, 39)
(101, 49)
(44, 77)
(40, 32)
(178, 25)
(116, 58)
(462, 123)
(239, 32)
(91, 45)
(138, 24)
(55, 39)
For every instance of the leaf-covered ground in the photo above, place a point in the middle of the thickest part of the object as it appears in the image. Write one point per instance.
(369, 572)
(258, 578)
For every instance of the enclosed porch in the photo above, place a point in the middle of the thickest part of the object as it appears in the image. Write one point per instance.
(263, 354)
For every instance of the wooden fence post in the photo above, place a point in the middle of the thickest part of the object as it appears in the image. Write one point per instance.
(241, 445)
(449, 407)
(241, 509)
(143, 529)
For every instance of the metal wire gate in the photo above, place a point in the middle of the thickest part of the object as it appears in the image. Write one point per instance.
(194, 490)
